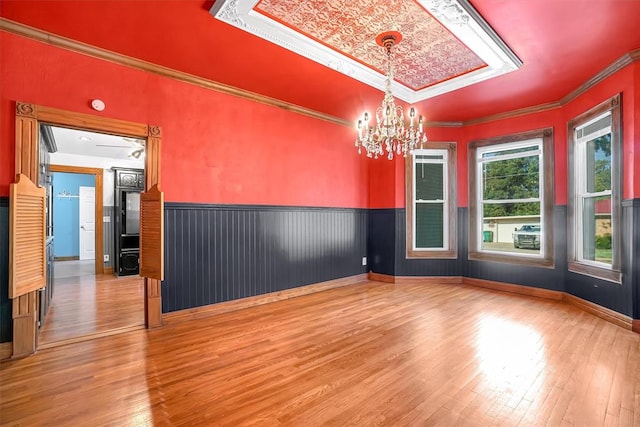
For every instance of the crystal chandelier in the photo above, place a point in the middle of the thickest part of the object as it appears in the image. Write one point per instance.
(389, 132)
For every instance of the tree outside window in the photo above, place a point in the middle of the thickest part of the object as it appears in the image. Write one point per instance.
(511, 198)
(595, 192)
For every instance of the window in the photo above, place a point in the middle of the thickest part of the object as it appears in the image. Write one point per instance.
(511, 198)
(431, 205)
(595, 192)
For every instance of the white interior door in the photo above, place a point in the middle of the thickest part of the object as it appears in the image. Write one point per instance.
(87, 222)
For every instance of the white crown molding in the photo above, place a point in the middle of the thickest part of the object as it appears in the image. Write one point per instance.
(458, 16)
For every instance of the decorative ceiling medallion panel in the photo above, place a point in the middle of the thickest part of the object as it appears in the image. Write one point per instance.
(444, 49)
(350, 28)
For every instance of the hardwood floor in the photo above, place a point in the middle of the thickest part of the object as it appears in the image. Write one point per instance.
(85, 304)
(365, 354)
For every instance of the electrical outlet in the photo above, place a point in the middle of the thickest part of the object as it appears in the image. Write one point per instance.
(106, 258)
(364, 260)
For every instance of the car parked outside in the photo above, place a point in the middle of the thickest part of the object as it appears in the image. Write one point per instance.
(528, 236)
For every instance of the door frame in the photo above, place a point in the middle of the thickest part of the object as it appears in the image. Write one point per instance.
(28, 118)
(99, 207)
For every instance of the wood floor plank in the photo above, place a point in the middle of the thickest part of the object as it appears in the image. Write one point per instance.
(84, 304)
(366, 354)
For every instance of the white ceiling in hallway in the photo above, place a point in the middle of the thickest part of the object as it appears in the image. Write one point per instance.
(93, 144)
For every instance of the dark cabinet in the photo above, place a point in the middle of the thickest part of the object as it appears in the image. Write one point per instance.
(45, 179)
(46, 293)
(128, 179)
(129, 183)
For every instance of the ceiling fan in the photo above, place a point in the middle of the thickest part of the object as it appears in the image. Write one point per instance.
(137, 146)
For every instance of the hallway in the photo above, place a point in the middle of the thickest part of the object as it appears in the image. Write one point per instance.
(85, 305)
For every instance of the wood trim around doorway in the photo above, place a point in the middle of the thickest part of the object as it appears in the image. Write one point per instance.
(28, 119)
(99, 207)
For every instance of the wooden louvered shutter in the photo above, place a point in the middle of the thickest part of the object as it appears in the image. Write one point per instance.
(152, 234)
(27, 252)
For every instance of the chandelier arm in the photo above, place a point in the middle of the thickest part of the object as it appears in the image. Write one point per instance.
(389, 132)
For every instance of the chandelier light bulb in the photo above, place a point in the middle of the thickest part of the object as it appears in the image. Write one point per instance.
(389, 132)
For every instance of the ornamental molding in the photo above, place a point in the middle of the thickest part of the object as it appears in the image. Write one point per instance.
(458, 18)
(25, 110)
(154, 131)
(230, 14)
(449, 11)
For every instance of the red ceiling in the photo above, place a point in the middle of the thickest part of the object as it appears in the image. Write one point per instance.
(562, 44)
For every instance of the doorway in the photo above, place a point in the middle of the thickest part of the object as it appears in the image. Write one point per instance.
(25, 282)
(86, 224)
(88, 300)
(65, 205)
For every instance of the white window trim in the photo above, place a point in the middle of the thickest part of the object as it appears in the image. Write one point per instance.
(609, 272)
(445, 202)
(496, 148)
(545, 258)
(450, 234)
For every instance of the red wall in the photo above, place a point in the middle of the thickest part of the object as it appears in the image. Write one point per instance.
(636, 134)
(386, 178)
(626, 81)
(545, 119)
(294, 160)
(216, 148)
(622, 82)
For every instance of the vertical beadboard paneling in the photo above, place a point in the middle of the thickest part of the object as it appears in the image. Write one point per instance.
(463, 240)
(615, 296)
(284, 247)
(220, 253)
(381, 244)
(424, 267)
(387, 229)
(633, 254)
(546, 278)
(6, 325)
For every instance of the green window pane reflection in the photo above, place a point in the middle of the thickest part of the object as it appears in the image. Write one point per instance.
(429, 226)
(596, 229)
(429, 181)
(598, 164)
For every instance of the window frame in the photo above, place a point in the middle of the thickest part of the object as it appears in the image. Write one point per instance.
(575, 264)
(450, 203)
(547, 199)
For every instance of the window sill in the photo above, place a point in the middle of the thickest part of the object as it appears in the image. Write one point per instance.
(607, 274)
(420, 254)
(512, 259)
